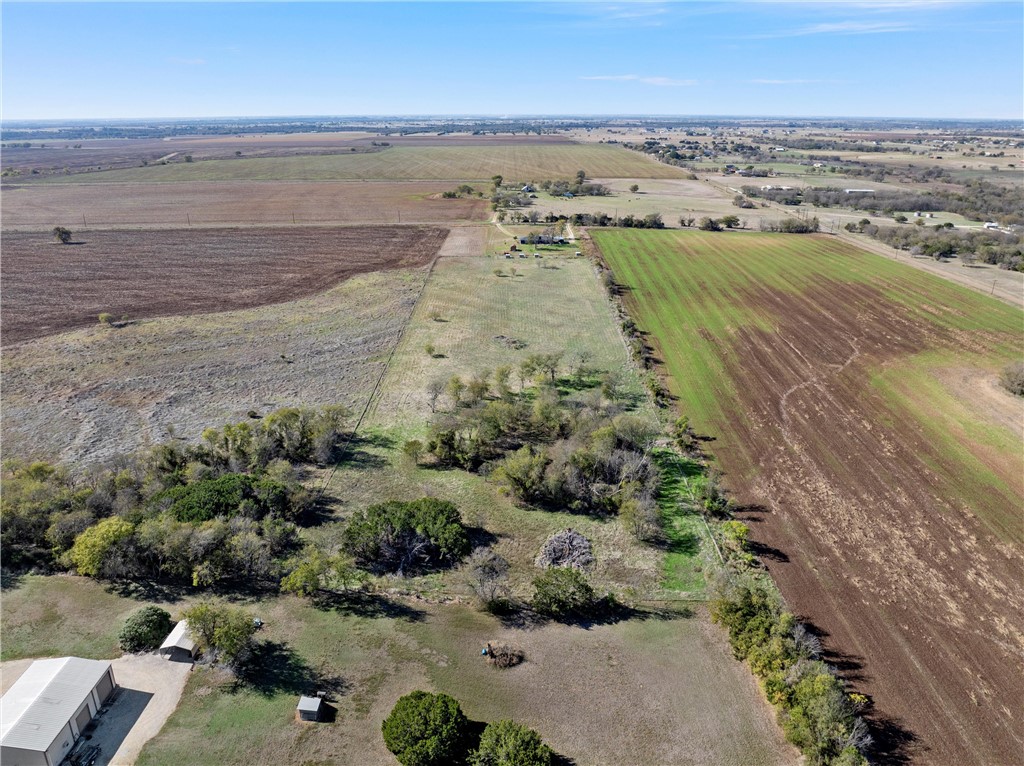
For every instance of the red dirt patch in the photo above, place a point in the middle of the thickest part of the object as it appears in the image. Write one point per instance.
(49, 288)
(872, 531)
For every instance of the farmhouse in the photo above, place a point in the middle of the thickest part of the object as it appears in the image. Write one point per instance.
(178, 645)
(48, 708)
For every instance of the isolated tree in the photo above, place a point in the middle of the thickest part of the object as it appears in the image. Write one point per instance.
(488, 576)
(634, 188)
(581, 176)
(145, 629)
(709, 224)
(455, 388)
(62, 234)
(434, 389)
(225, 629)
(506, 743)
(497, 181)
(729, 221)
(426, 729)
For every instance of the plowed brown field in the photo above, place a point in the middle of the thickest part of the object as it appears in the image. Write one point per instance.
(49, 288)
(253, 203)
(886, 505)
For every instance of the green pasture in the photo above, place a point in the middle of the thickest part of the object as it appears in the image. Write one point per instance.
(693, 291)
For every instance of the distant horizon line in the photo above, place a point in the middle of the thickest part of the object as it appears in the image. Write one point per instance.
(503, 117)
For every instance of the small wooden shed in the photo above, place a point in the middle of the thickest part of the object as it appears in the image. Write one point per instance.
(309, 709)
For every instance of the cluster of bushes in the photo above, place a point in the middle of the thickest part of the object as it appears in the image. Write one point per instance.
(220, 510)
(427, 729)
(977, 200)
(649, 221)
(711, 224)
(791, 226)
(578, 188)
(404, 536)
(463, 190)
(580, 454)
(817, 714)
(941, 241)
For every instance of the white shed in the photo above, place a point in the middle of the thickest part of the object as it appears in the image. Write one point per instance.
(178, 645)
(48, 708)
(309, 708)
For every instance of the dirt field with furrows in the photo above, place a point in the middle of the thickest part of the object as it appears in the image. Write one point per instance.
(49, 287)
(915, 594)
(39, 208)
(883, 493)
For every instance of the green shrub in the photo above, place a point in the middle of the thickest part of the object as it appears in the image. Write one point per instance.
(399, 536)
(426, 729)
(92, 546)
(228, 495)
(506, 743)
(225, 629)
(563, 592)
(145, 630)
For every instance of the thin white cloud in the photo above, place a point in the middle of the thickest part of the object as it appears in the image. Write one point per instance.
(793, 82)
(662, 81)
(842, 28)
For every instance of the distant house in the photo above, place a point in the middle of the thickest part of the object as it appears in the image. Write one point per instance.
(819, 164)
(309, 708)
(46, 710)
(179, 646)
(858, 191)
(991, 225)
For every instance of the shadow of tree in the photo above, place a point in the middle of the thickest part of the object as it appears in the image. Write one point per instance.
(273, 667)
(606, 612)
(149, 590)
(364, 604)
(10, 580)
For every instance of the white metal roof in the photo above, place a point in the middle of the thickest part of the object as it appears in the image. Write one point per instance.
(309, 704)
(180, 638)
(42, 701)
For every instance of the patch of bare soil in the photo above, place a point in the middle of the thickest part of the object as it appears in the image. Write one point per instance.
(50, 288)
(871, 530)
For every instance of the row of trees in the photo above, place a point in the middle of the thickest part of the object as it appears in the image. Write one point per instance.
(224, 509)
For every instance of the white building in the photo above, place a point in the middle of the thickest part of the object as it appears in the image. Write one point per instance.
(48, 708)
(178, 645)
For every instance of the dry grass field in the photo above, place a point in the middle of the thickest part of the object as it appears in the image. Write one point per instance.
(854, 415)
(87, 395)
(36, 207)
(514, 161)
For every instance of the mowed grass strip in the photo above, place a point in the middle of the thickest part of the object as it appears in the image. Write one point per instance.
(474, 163)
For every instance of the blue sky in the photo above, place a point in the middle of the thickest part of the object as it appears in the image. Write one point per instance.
(871, 58)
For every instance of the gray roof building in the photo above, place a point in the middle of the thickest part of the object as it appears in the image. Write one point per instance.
(48, 708)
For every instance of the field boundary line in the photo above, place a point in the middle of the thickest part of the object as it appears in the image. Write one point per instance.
(318, 494)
